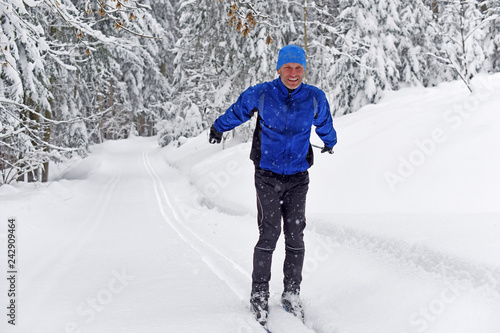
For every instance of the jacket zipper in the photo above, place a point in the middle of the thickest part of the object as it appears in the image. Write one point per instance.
(287, 150)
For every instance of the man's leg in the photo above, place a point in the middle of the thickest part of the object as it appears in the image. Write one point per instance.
(294, 204)
(294, 222)
(269, 221)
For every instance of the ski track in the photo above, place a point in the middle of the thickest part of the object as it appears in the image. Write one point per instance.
(426, 262)
(173, 219)
(180, 218)
(423, 260)
(280, 321)
(230, 272)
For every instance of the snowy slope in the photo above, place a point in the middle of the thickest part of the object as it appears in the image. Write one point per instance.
(402, 236)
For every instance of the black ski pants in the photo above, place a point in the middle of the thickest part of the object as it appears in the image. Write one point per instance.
(280, 196)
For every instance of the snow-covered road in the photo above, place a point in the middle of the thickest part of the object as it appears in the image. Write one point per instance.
(106, 255)
(137, 239)
(124, 243)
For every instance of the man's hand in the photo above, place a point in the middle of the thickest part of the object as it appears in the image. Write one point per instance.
(327, 149)
(215, 135)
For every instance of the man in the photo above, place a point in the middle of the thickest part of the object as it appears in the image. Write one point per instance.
(282, 153)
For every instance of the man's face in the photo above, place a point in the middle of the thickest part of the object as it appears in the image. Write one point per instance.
(291, 74)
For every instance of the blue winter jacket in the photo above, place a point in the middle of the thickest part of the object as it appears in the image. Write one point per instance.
(281, 138)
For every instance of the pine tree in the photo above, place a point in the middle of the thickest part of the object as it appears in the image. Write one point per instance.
(460, 30)
(369, 60)
(221, 51)
(322, 38)
(60, 68)
(26, 100)
(416, 41)
(491, 12)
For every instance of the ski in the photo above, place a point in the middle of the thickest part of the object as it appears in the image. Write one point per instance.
(264, 326)
(259, 308)
(301, 318)
(293, 305)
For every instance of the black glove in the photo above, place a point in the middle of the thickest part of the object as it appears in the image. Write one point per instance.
(215, 135)
(327, 149)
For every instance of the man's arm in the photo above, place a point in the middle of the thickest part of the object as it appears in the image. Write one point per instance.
(324, 124)
(238, 113)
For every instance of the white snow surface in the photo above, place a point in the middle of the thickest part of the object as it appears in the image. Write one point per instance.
(403, 229)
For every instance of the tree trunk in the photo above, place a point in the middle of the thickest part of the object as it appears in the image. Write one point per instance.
(164, 68)
(46, 138)
(110, 104)
(435, 8)
(305, 34)
(32, 118)
(141, 122)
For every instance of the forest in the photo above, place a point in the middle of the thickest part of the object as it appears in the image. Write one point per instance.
(80, 72)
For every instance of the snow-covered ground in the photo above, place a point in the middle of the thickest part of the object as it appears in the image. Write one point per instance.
(403, 230)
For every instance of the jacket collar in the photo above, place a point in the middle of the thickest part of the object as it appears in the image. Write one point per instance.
(283, 89)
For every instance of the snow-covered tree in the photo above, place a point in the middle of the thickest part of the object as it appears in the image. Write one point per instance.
(59, 64)
(322, 36)
(460, 29)
(415, 43)
(80, 72)
(26, 99)
(217, 56)
(491, 11)
(369, 60)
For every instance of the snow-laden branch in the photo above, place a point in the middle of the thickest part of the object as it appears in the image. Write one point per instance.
(48, 120)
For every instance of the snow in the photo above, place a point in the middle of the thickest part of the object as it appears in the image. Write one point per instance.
(402, 235)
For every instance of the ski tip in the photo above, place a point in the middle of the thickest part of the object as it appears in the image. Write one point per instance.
(264, 326)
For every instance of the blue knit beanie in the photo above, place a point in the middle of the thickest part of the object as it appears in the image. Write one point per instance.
(291, 53)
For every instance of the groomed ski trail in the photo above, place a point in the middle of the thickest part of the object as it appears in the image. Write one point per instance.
(215, 260)
(236, 277)
(128, 220)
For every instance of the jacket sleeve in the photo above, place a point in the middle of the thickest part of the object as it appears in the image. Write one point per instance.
(239, 112)
(324, 122)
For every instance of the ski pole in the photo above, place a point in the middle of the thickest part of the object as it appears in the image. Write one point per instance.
(319, 147)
